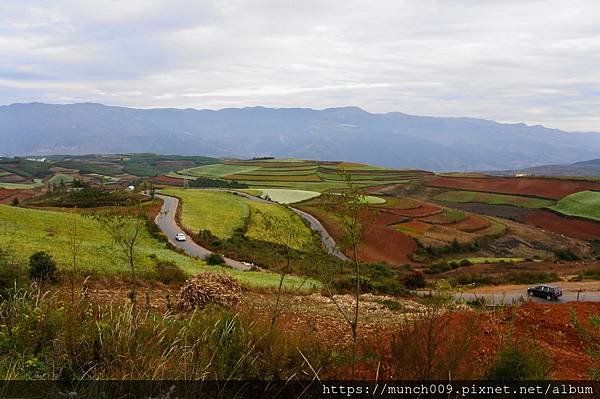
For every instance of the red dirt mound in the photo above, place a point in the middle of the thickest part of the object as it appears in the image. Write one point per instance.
(539, 187)
(570, 227)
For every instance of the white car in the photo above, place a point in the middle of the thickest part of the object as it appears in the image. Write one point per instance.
(180, 237)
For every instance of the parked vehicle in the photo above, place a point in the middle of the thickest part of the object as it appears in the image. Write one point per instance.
(545, 291)
(180, 237)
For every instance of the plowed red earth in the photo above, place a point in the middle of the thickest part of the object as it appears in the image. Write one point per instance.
(384, 244)
(8, 196)
(172, 181)
(570, 227)
(546, 188)
(471, 224)
(422, 211)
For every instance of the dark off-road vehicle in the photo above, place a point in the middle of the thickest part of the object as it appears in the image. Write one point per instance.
(545, 291)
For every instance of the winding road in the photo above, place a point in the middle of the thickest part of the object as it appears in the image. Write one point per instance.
(165, 220)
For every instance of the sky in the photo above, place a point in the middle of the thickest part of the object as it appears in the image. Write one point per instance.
(528, 61)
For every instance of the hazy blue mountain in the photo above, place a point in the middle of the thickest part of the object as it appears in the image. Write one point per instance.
(584, 168)
(350, 133)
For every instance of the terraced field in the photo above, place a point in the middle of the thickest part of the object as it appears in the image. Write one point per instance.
(299, 174)
(585, 204)
(493, 199)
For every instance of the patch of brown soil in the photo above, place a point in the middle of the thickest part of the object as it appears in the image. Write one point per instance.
(570, 227)
(539, 187)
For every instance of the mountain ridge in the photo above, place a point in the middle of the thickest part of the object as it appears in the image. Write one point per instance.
(392, 139)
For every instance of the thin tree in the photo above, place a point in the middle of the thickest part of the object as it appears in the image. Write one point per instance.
(355, 218)
(284, 231)
(74, 247)
(125, 229)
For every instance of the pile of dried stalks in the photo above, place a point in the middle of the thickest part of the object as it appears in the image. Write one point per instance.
(208, 288)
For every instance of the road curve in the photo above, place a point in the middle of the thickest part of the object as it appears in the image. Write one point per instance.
(314, 223)
(165, 220)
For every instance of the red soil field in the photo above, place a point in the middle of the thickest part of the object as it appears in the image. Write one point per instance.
(545, 188)
(422, 211)
(12, 179)
(575, 228)
(8, 196)
(471, 223)
(384, 244)
(162, 179)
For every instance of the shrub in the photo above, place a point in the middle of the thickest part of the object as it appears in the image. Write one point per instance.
(518, 361)
(208, 288)
(415, 280)
(566, 254)
(168, 272)
(439, 267)
(465, 262)
(214, 259)
(42, 267)
(15, 202)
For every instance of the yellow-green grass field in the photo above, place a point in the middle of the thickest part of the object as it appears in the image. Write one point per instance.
(585, 204)
(26, 231)
(285, 196)
(20, 186)
(493, 199)
(222, 213)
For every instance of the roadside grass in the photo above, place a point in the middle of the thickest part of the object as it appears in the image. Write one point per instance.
(493, 199)
(26, 231)
(256, 227)
(585, 204)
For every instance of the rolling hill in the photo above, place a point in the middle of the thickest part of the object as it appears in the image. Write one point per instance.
(350, 133)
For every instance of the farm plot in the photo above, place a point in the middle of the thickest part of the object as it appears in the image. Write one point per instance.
(26, 231)
(284, 196)
(492, 199)
(585, 204)
(582, 229)
(447, 216)
(538, 187)
(217, 170)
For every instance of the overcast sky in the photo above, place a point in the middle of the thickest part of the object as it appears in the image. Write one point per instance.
(520, 61)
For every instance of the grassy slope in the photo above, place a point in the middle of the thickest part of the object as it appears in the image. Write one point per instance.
(219, 212)
(27, 231)
(222, 213)
(493, 199)
(584, 204)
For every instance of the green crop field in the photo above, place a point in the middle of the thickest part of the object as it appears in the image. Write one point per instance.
(257, 228)
(222, 213)
(585, 204)
(493, 199)
(26, 231)
(217, 170)
(19, 186)
(284, 196)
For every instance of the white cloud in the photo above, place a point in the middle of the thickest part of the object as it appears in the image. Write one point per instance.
(532, 60)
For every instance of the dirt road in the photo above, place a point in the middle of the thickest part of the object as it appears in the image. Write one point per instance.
(507, 294)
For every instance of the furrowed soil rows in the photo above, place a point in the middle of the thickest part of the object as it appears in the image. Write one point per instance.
(539, 187)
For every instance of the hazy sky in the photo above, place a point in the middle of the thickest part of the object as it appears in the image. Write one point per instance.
(521, 60)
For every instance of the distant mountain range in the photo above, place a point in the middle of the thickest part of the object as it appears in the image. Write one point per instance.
(391, 139)
(585, 169)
